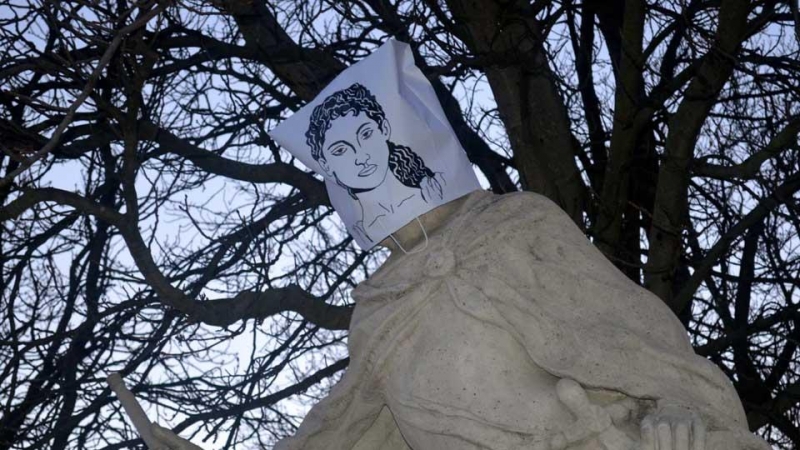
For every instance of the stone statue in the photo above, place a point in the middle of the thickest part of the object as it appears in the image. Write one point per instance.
(504, 328)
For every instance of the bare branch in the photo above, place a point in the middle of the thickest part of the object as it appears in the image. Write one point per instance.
(780, 195)
(87, 91)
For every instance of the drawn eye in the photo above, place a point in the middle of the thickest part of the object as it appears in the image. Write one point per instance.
(366, 134)
(338, 151)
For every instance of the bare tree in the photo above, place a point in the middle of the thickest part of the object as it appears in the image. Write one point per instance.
(150, 226)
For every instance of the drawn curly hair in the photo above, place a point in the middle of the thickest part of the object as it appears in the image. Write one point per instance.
(355, 99)
(407, 166)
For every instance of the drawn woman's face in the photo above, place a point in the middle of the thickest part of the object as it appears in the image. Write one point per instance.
(355, 151)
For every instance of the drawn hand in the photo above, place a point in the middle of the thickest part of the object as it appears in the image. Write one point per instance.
(170, 440)
(673, 428)
(432, 187)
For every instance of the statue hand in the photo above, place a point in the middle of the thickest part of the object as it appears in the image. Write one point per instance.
(593, 421)
(169, 440)
(673, 428)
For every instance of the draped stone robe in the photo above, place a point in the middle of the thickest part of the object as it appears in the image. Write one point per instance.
(459, 346)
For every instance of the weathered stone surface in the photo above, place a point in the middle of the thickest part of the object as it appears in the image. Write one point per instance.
(511, 331)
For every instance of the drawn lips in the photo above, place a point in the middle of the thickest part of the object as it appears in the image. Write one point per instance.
(368, 170)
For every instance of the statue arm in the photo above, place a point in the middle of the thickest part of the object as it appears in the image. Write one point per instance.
(338, 421)
(168, 440)
(325, 427)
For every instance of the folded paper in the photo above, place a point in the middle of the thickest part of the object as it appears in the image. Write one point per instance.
(379, 137)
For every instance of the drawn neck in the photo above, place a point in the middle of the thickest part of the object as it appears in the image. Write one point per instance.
(411, 234)
(384, 199)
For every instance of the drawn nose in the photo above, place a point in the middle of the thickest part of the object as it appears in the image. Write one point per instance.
(362, 158)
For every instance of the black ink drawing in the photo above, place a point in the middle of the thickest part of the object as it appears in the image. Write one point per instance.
(349, 137)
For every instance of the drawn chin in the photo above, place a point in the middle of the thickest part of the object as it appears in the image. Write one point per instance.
(368, 178)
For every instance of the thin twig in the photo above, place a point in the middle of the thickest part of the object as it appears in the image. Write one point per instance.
(795, 5)
(95, 75)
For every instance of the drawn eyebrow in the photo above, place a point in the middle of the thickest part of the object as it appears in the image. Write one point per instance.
(358, 131)
(340, 141)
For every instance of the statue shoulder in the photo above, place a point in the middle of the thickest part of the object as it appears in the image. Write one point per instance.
(516, 207)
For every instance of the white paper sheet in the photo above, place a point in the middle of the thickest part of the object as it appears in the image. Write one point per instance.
(381, 140)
